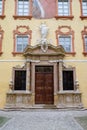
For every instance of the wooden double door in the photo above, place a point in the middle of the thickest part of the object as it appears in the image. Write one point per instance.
(44, 90)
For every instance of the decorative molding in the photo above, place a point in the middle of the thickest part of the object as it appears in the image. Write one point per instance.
(21, 30)
(27, 60)
(37, 61)
(57, 51)
(69, 31)
(84, 32)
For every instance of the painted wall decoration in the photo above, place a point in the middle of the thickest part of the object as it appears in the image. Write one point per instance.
(44, 8)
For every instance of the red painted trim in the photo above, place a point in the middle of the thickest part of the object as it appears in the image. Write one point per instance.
(22, 17)
(18, 32)
(83, 17)
(64, 17)
(1, 38)
(16, 16)
(84, 32)
(85, 53)
(68, 32)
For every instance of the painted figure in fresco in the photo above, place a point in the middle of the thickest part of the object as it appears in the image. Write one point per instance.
(44, 8)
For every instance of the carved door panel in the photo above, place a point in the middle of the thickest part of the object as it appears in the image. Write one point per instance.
(44, 85)
(48, 88)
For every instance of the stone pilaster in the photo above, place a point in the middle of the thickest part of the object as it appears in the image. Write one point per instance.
(28, 77)
(60, 77)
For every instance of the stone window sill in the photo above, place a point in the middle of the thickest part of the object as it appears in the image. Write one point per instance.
(1, 53)
(83, 17)
(2, 16)
(22, 17)
(64, 17)
(17, 53)
(71, 53)
(85, 53)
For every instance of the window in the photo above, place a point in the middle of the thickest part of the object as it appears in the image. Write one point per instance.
(2, 3)
(20, 80)
(1, 38)
(84, 7)
(65, 41)
(65, 37)
(68, 80)
(0, 7)
(23, 9)
(22, 37)
(84, 37)
(83, 4)
(21, 43)
(64, 9)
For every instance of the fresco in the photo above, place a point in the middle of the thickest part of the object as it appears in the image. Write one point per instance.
(44, 9)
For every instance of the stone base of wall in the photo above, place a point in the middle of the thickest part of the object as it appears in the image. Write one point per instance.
(24, 100)
(69, 100)
(18, 99)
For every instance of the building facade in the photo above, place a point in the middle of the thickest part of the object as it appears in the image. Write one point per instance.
(43, 53)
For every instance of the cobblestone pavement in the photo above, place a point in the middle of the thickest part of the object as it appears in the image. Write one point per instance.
(42, 120)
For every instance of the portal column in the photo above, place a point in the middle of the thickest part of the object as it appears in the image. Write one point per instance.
(28, 78)
(60, 77)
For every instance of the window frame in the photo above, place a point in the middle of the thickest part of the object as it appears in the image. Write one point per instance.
(65, 36)
(84, 33)
(29, 16)
(69, 32)
(1, 38)
(2, 16)
(82, 15)
(74, 77)
(13, 78)
(17, 43)
(18, 32)
(70, 16)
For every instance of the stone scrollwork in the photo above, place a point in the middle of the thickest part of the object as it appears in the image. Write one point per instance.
(44, 46)
(43, 41)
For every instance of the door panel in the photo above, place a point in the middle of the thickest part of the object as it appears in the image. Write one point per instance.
(44, 85)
